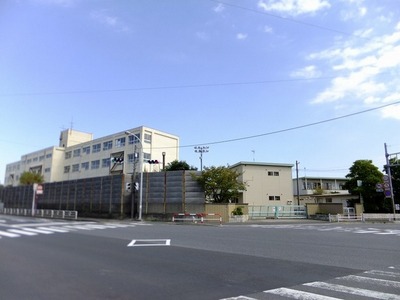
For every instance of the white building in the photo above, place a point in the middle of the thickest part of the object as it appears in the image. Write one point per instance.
(321, 190)
(267, 183)
(80, 156)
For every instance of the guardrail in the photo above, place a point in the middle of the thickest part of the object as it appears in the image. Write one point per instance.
(364, 218)
(197, 218)
(43, 213)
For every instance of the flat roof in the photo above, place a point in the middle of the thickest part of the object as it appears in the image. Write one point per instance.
(261, 164)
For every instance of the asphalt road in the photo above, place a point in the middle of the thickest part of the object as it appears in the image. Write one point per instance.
(128, 260)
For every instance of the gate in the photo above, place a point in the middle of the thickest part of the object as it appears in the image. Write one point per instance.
(277, 212)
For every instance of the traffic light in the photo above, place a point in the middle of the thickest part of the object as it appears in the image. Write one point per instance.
(136, 186)
(117, 160)
(155, 161)
(128, 186)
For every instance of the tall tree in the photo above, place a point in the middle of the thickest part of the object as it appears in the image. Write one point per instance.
(179, 165)
(364, 172)
(221, 184)
(28, 178)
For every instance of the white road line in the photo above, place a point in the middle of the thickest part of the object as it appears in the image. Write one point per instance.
(36, 230)
(23, 232)
(296, 294)
(366, 231)
(383, 273)
(54, 229)
(239, 298)
(376, 281)
(353, 291)
(9, 234)
(149, 242)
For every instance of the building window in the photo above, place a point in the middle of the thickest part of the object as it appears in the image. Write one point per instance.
(273, 173)
(75, 168)
(47, 170)
(274, 198)
(120, 142)
(146, 156)
(133, 139)
(68, 155)
(95, 164)
(147, 138)
(96, 148)
(49, 155)
(328, 200)
(41, 158)
(86, 150)
(77, 152)
(107, 145)
(105, 163)
(35, 159)
(85, 166)
(67, 169)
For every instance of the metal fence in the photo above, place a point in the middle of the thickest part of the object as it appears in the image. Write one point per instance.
(43, 213)
(163, 193)
(277, 212)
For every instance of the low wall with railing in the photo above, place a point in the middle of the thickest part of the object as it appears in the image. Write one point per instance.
(41, 213)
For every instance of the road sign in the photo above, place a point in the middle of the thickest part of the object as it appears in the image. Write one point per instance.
(39, 189)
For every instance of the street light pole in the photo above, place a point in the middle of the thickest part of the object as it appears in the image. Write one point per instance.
(141, 157)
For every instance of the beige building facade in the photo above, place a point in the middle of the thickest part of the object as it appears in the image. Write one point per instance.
(79, 156)
(321, 190)
(268, 184)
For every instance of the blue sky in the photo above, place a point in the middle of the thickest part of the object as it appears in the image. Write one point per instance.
(209, 72)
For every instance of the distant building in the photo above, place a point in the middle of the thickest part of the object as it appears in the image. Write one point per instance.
(267, 183)
(79, 156)
(321, 190)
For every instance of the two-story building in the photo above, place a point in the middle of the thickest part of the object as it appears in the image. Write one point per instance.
(320, 190)
(268, 184)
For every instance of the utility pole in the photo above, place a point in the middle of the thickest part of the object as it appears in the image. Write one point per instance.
(389, 175)
(297, 180)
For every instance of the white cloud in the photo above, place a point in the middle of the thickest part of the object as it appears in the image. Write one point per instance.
(219, 8)
(306, 72)
(241, 36)
(366, 71)
(268, 29)
(105, 18)
(294, 7)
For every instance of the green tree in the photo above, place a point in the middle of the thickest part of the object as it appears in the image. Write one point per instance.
(28, 178)
(221, 184)
(368, 175)
(179, 165)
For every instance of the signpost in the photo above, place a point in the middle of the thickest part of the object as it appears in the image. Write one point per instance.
(37, 190)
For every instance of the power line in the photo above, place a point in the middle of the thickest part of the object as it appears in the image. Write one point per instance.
(188, 86)
(291, 20)
(296, 127)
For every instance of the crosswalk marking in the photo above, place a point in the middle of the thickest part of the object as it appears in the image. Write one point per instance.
(372, 284)
(8, 234)
(23, 232)
(383, 273)
(54, 229)
(353, 291)
(29, 229)
(300, 295)
(375, 281)
(37, 230)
